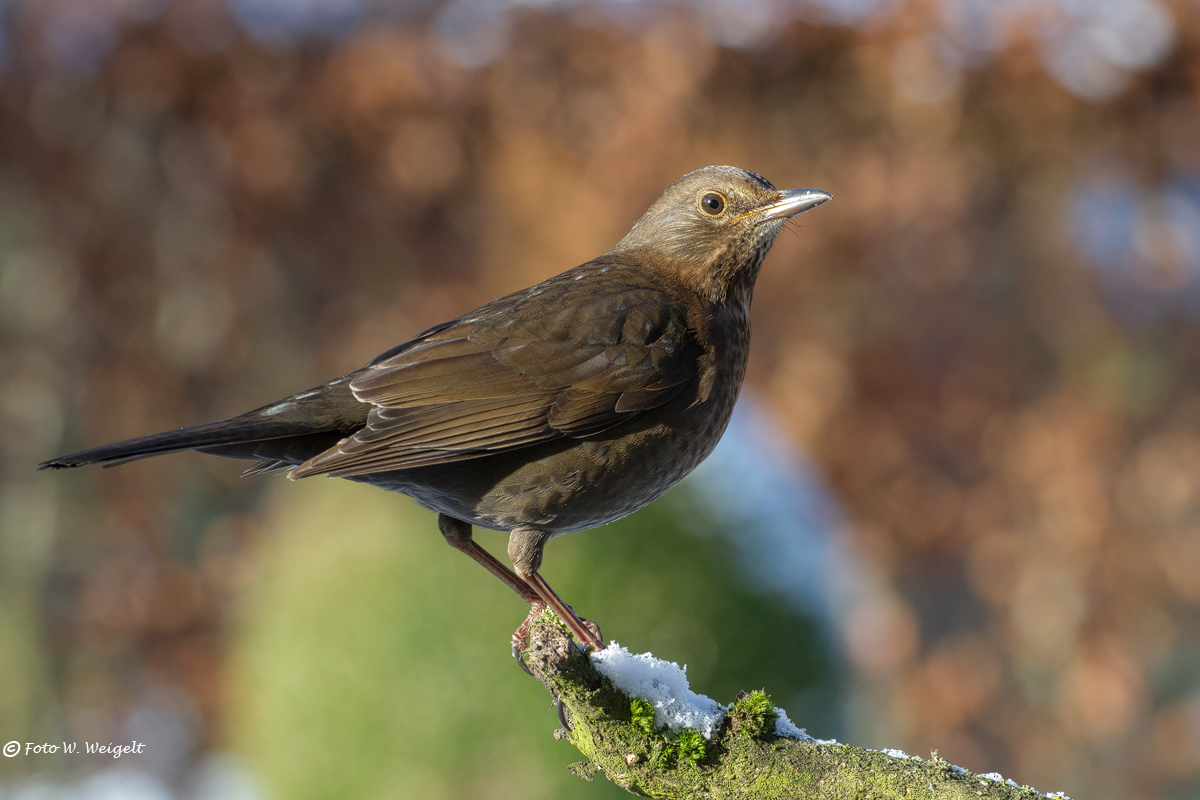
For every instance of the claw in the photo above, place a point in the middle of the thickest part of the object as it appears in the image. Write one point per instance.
(594, 628)
(517, 654)
(521, 635)
(588, 636)
(562, 713)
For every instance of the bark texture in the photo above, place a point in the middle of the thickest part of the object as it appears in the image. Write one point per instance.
(744, 759)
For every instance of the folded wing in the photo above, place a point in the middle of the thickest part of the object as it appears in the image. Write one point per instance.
(529, 368)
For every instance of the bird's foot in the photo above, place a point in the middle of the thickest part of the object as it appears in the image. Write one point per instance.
(520, 636)
(595, 630)
(587, 633)
(585, 630)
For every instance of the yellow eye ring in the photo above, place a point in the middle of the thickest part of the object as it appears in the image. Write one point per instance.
(712, 203)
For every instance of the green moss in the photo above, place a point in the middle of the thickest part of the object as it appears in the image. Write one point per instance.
(690, 747)
(667, 749)
(551, 617)
(753, 714)
(616, 734)
(641, 716)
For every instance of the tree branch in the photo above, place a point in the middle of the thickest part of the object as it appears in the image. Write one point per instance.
(743, 759)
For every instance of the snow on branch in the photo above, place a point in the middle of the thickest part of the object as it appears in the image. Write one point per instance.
(635, 719)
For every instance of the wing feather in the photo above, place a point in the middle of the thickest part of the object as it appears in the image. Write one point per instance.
(526, 369)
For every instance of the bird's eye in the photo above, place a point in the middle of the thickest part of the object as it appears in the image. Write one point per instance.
(712, 203)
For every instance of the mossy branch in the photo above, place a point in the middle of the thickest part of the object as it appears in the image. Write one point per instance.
(743, 759)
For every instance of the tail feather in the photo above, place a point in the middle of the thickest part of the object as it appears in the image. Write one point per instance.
(230, 431)
(289, 431)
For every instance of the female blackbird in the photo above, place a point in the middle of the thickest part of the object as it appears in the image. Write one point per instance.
(554, 409)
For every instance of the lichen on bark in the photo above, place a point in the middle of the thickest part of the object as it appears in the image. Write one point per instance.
(743, 759)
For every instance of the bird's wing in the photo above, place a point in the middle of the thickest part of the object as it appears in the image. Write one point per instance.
(528, 368)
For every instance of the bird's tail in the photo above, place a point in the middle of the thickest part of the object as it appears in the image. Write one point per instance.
(225, 432)
(298, 427)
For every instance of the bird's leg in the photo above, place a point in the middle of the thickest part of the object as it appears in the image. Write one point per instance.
(458, 535)
(585, 630)
(525, 552)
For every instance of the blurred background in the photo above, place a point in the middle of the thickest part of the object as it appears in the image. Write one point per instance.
(958, 508)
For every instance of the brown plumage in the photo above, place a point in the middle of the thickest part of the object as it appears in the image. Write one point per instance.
(554, 409)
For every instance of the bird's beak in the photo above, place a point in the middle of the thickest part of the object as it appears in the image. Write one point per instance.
(794, 201)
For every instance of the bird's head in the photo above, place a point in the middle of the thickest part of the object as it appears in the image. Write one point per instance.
(713, 226)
